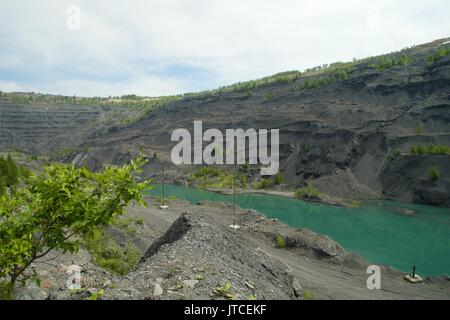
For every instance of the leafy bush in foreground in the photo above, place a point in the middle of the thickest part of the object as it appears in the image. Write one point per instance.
(54, 207)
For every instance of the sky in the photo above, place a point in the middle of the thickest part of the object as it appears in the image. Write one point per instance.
(164, 47)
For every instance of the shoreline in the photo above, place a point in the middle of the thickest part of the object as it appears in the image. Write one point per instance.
(325, 199)
(288, 229)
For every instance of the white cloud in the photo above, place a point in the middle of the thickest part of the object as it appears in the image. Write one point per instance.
(122, 43)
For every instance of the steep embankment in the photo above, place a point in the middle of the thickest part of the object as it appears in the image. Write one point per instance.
(348, 128)
(197, 255)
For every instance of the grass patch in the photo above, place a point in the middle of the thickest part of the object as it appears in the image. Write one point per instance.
(207, 172)
(215, 178)
(107, 254)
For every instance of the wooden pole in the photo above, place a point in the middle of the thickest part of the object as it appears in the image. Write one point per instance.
(163, 188)
(234, 199)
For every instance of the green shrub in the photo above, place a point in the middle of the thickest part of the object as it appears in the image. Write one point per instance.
(25, 173)
(434, 173)
(5, 290)
(264, 183)
(108, 255)
(9, 171)
(281, 242)
(243, 181)
(308, 192)
(279, 179)
(204, 172)
(251, 296)
(225, 291)
(2, 185)
(11, 174)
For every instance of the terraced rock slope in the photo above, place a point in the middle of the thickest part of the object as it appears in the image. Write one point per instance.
(348, 129)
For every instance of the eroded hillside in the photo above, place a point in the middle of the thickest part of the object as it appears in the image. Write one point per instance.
(348, 128)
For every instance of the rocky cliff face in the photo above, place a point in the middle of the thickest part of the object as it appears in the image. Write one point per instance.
(351, 137)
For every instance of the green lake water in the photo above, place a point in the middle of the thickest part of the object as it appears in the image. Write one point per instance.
(374, 230)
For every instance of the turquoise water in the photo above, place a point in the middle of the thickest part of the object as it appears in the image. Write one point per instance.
(373, 230)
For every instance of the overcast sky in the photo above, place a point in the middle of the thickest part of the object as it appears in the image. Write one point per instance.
(174, 46)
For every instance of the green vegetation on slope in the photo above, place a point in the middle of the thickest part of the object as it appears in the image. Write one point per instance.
(281, 241)
(440, 53)
(128, 101)
(430, 149)
(109, 255)
(384, 63)
(309, 192)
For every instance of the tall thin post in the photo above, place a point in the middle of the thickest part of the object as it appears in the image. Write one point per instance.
(234, 225)
(234, 200)
(163, 188)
